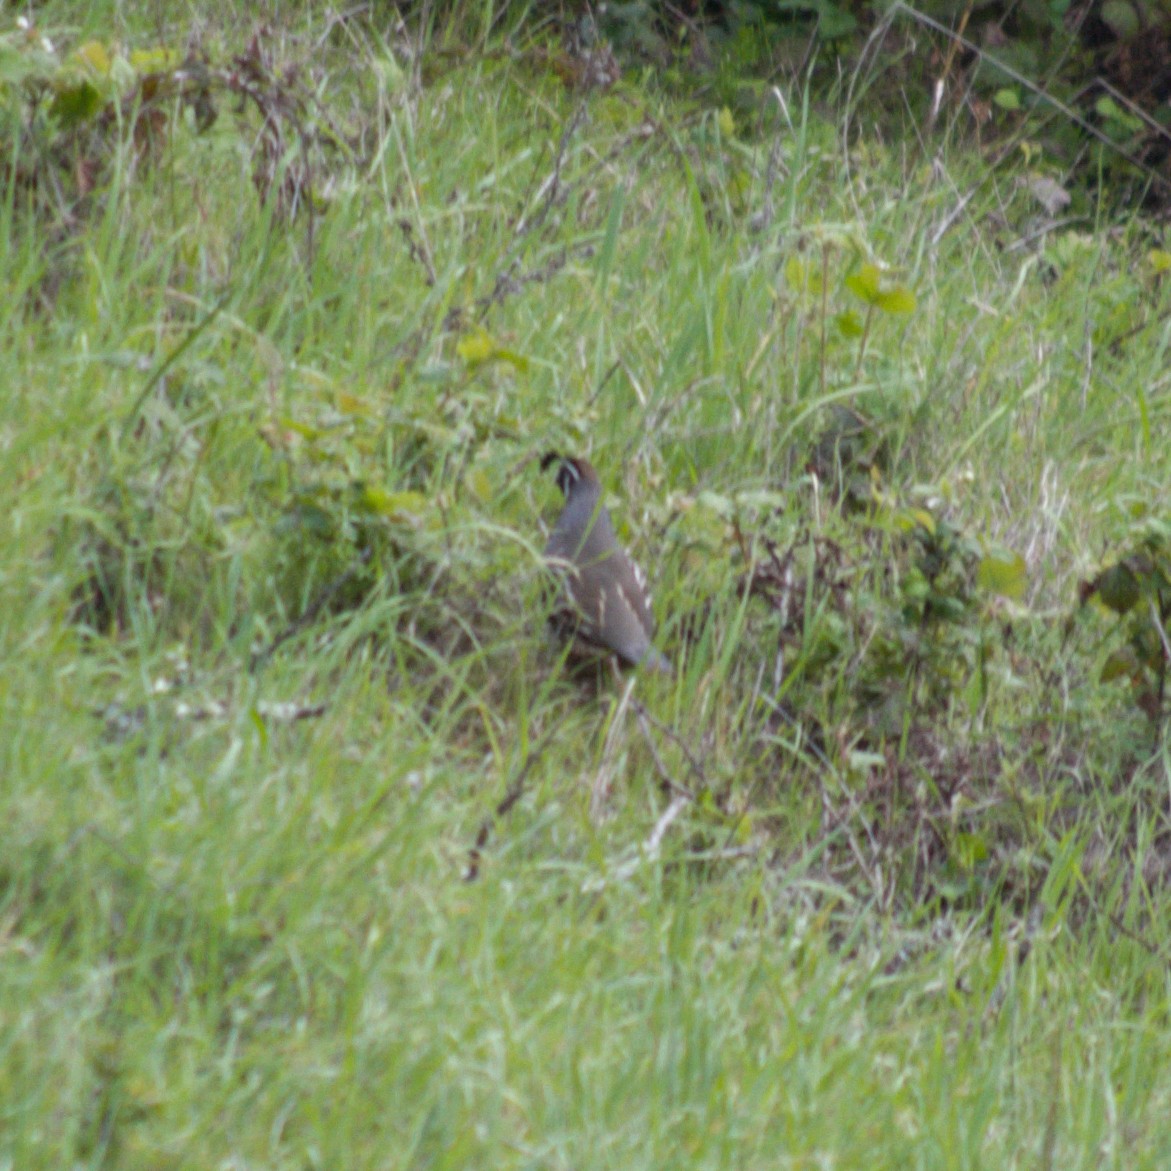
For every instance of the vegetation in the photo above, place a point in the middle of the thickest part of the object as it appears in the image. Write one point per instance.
(313, 851)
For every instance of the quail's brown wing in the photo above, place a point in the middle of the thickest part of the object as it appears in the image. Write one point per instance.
(613, 606)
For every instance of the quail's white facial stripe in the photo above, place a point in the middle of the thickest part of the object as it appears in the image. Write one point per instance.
(568, 477)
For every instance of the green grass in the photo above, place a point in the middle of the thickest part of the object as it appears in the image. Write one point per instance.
(914, 910)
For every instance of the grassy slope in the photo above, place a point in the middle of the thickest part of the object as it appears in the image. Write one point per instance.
(226, 942)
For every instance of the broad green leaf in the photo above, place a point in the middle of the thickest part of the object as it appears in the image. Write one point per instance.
(1007, 99)
(1111, 111)
(76, 103)
(1118, 588)
(900, 299)
(1122, 664)
(1159, 260)
(801, 276)
(515, 360)
(1122, 18)
(154, 60)
(401, 506)
(864, 283)
(849, 324)
(922, 518)
(93, 57)
(968, 850)
(834, 22)
(1004, 574)
(477, 347)
(1147, 643)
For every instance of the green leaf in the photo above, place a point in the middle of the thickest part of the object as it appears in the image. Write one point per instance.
(834, 22)
(1159, 260)
(900, 299)
(1109, 110)
(410, 507)
(155, 60)
(479, 346)
(849, 324)
(802, 276)
(76, 103)
(1148, 647)
(1004, 574)
(93, 57)
(1122, 18)
(1118, 588)
(260, 726)
(968, 850)
(908, 519)
(1007, 99)
(864, 283)
(515, 360)
(1122, 664)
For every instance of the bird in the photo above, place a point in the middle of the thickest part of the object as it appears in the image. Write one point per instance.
(607, 590)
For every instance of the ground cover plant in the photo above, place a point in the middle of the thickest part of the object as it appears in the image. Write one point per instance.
(313, 849)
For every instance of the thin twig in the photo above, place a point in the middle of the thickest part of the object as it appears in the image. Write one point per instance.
(324, 597)
(651, 846)
(669, 782)
(670, 733)
(551, 194)
(601, 785)
(511, 796)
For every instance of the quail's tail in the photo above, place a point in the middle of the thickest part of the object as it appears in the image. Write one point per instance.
(655, 660)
